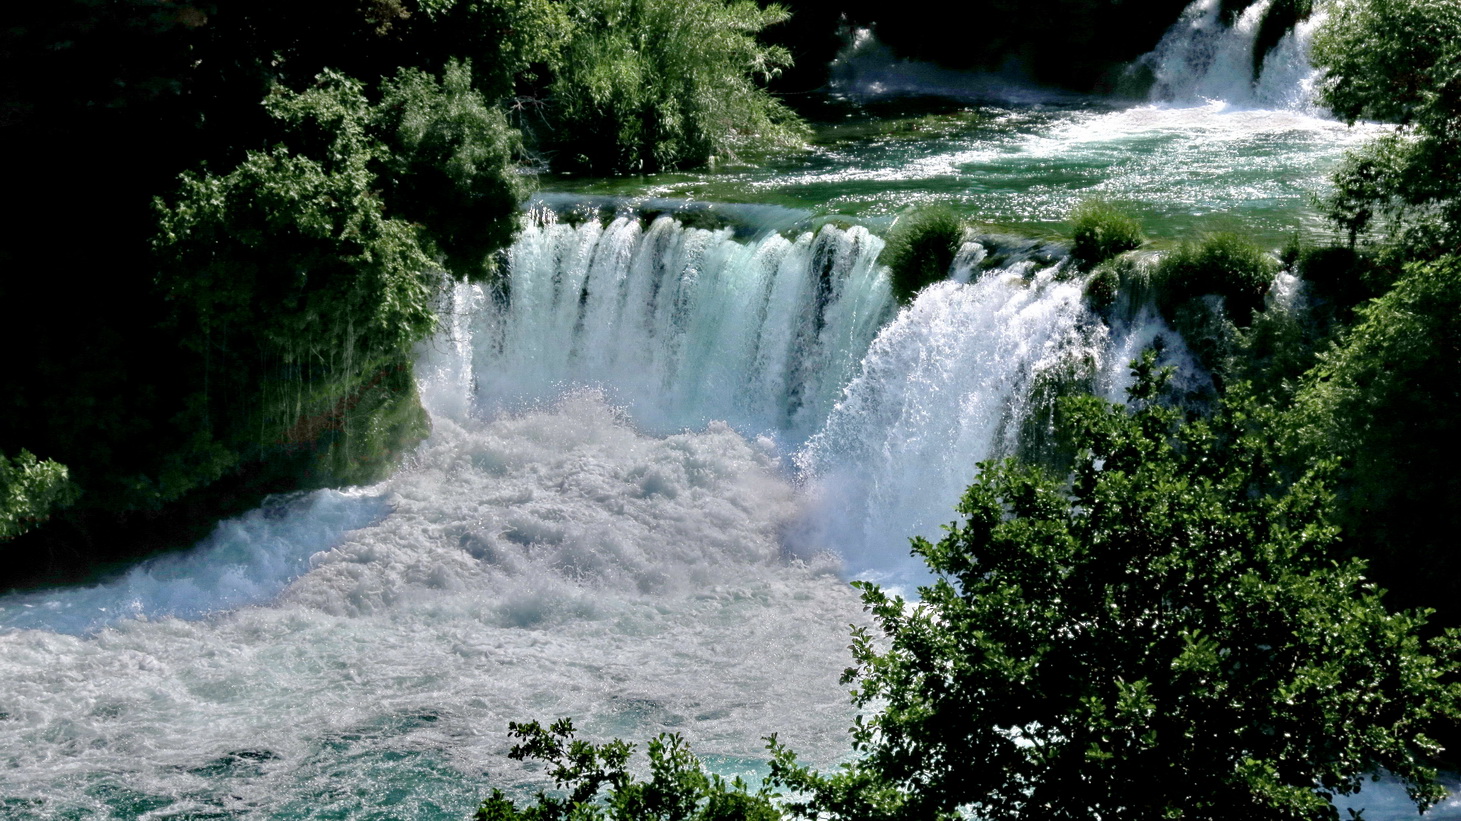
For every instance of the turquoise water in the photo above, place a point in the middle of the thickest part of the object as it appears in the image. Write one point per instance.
(1181, 169)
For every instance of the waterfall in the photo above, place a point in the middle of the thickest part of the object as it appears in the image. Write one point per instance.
(884, 414)
(680, 325)
(1201, 60)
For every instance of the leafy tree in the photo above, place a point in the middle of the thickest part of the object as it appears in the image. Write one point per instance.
(1163, 635)
(450, 164)
(30, 489)
(645, 85)
(1384, 402)
(600, 785)
(1398, 61)
(296, 291)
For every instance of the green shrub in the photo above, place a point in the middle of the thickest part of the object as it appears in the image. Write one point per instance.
(1163, 633)
(921, 247)
(1384, 402)
(449, 165)
(647, 85)
(600, 787)
(1226, 265)
(1395, 61)
(30, 489)
(1102, 231)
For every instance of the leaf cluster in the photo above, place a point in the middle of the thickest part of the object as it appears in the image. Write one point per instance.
(646, 85)
(30, 489)
(1383, 402)
(1397, 61)
(600, 786)
(1163, 636)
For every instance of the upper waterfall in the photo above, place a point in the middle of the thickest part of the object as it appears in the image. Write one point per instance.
(1201, 59)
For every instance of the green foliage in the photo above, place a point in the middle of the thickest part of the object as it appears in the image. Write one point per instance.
(920, 248)
(1392, 60)
(1384, 402)
(1226, 265)
(1101, 231)
(1399, 61)
(30, 489)
(450, 164)
(289, 281)
(644, 85)
(1162, 636)
(513, 43)
(600, 785)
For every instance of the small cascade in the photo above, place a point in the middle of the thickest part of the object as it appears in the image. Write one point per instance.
(944, 387)
(1202, 60)
(885, 413)
(680, 325)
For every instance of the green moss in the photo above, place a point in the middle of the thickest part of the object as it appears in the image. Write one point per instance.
(371, 427)
(1102, 231)
(920, 248)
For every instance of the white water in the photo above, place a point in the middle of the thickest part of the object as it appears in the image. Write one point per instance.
(681, 326)
(1200, 60)
(554, 563)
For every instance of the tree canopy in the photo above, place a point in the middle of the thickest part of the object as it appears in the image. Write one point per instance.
(1164, 635)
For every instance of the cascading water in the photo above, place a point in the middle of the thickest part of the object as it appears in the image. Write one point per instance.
(683, 326)
(1203, 60)
(786, 338)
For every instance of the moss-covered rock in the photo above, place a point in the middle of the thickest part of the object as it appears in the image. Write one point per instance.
(1224, 265)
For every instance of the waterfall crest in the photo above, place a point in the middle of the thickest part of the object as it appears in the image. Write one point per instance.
(680, 325)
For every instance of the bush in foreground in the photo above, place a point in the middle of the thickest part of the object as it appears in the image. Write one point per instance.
(1162, 636)
(600, 787)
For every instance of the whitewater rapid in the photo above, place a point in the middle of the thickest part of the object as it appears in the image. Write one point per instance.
(555, 562)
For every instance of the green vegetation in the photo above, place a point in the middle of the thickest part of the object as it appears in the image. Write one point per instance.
(1101, 231)
(1395, 60)
(29, 490)
(1164, 635)
(653, 84)
(600, 785)
(1384, 402)
(1224, 265)
(920, 248)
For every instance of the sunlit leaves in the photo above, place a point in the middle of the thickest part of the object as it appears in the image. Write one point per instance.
(1163, 636)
